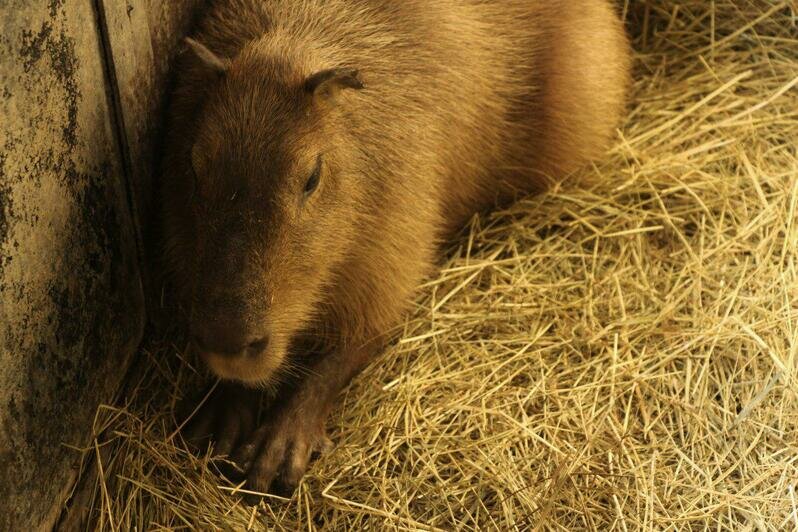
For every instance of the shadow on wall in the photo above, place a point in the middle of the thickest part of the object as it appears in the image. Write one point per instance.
(71, 297)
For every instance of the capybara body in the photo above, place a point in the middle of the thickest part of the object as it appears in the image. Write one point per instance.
(319, 151)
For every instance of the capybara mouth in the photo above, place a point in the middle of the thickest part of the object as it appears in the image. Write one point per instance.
(251, 370)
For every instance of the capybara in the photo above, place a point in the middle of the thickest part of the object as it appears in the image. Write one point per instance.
(318, 154)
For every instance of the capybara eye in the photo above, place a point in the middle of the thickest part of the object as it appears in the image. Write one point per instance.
(313, 181)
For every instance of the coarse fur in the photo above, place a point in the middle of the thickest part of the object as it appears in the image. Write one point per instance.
(465, 105)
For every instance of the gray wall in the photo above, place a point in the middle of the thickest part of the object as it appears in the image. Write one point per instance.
(81, 88)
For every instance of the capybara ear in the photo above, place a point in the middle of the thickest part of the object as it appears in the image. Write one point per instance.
(213, 62)
(326, 84)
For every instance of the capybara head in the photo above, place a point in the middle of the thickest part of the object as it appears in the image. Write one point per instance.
(254, 231)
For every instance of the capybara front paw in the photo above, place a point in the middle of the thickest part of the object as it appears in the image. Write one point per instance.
(277, 455)
(225, 419)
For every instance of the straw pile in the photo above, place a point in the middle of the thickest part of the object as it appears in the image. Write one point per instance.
(615, 355)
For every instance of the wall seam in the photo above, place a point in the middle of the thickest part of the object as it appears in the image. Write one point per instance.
(123, 147)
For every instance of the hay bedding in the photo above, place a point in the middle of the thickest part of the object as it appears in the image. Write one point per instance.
(620, 355)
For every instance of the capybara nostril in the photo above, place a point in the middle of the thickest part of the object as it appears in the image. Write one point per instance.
(221, 339)
(258, 346)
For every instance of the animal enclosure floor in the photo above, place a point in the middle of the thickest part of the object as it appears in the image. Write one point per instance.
(617, 354)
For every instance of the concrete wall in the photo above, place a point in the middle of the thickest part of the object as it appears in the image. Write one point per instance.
(81, 86)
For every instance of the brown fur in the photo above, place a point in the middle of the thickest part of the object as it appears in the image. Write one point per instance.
(466, 103)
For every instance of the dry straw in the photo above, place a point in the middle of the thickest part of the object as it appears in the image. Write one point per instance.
(617, 355)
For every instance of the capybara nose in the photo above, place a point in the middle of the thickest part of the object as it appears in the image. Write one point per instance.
(228, 339)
